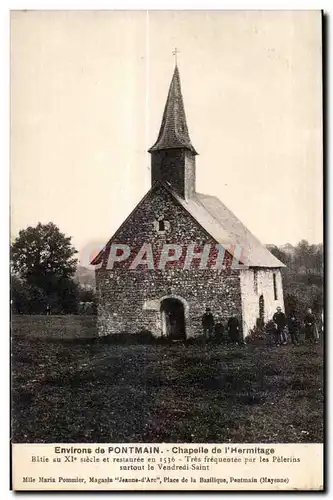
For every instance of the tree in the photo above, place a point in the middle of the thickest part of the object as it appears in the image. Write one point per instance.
(88, 302)
(303, 276)
(44, 260)
(19, 295)
(43, 253)
(309, 257)
(68, 296)
(279, 254)
(87, 294)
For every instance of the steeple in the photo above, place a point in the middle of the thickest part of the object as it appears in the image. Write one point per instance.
(174, 131)
(173, 156)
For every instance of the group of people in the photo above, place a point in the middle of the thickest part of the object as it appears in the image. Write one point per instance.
(282, 325)
(210, 329)
(279, 327)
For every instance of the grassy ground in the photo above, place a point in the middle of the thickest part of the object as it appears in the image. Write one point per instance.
(84, 391)
(56, 327)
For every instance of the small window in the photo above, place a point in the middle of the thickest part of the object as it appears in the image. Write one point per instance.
(275, 287)
(161, 225)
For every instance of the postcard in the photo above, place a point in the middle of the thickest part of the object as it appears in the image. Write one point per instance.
(167, 299)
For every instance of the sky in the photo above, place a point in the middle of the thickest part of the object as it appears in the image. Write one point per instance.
(88, 89)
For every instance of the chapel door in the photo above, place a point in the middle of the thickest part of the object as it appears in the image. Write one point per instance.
(174, 318)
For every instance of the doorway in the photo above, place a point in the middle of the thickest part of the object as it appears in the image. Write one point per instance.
(173, 319)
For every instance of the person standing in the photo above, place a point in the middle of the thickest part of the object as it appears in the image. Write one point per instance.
(234, 330)
(311, 332)
(280, 320)
(208, 324)
(271, 330)
(293, 327)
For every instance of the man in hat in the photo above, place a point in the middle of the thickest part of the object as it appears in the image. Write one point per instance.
(280, 320)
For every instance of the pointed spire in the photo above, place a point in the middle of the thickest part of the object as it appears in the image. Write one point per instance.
(174, 131)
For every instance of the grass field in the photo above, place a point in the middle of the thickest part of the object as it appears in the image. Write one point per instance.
(87, 391)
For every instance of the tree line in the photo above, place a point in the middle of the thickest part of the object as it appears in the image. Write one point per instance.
(303, 278)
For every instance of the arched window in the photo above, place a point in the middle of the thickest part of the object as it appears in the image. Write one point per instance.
(161, 225)
(261, 308)
(275, 287)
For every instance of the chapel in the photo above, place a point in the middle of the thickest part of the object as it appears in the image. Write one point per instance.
(180, 251)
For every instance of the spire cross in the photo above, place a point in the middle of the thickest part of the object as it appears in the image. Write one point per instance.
(175, 52)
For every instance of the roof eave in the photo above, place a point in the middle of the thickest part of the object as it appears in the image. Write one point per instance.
(162, 147)
(261, 266)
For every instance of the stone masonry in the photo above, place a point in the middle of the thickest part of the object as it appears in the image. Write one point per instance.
(129, 301)
(171, 300)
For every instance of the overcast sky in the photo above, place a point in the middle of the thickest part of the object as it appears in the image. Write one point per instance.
(87, 96)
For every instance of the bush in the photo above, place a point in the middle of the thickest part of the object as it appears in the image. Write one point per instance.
(259, 334)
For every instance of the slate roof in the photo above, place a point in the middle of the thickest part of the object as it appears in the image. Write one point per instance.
(221, 224)
(209, 212)
(226, 228)
(174, 132)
